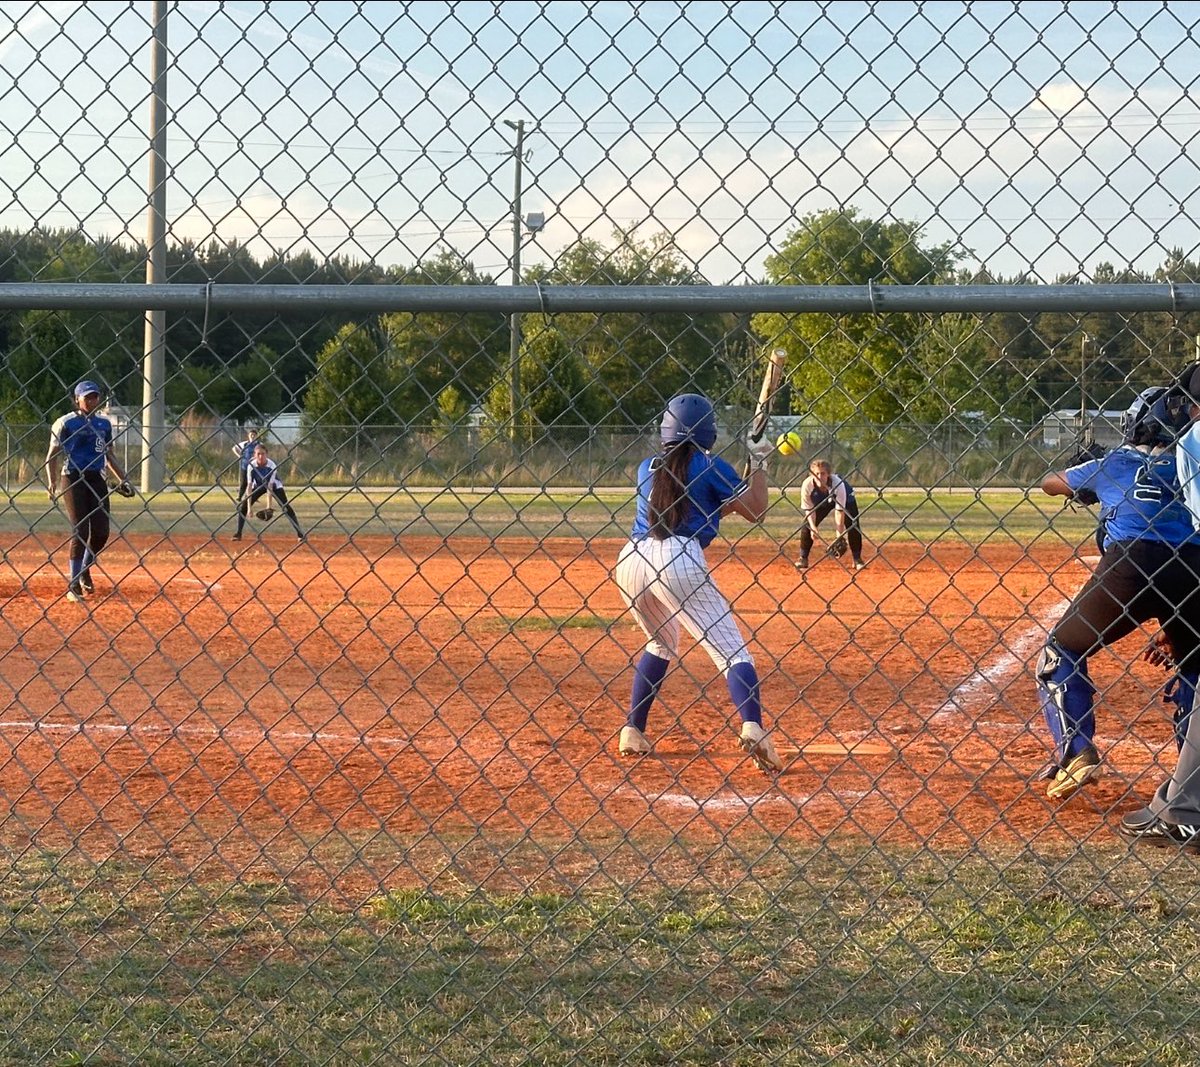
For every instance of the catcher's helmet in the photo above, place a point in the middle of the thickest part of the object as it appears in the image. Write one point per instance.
(689, 417)
(1152, 419)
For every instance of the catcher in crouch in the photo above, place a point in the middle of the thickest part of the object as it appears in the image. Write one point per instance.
(823, 492)
(262, 479)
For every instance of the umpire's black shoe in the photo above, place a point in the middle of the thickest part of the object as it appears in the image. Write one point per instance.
(1163, 835)
(1137, 822)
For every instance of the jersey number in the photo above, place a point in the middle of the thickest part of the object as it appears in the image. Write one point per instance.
(1147, 487)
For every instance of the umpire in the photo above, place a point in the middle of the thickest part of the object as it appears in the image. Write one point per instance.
(81, 451)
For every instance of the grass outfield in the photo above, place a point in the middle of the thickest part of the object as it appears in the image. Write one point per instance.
(903, 515)
(853, 958)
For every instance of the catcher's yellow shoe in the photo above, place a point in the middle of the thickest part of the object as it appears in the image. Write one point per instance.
(633, 742)
(756, 741)
(1074, 774)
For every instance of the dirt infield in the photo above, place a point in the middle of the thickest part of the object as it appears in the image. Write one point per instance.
(221, 701)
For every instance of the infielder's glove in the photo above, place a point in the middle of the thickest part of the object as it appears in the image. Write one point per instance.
(1085, 496)
(264, 514)
(838, 547)
(123, 488)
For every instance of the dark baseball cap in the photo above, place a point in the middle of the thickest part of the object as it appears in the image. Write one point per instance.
(85, 388)
(1189, 381)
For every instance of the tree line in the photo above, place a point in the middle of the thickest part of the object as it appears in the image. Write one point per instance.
(404, 369)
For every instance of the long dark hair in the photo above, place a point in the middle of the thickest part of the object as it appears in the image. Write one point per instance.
(669, 490)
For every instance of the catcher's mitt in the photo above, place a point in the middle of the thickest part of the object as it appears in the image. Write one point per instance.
(1095, 450)
(264, 514)
(838, 547)
(123, 488)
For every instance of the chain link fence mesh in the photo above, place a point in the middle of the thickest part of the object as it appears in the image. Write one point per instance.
(350, 790)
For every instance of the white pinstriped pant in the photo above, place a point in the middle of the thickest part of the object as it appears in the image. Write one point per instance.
(666, 583)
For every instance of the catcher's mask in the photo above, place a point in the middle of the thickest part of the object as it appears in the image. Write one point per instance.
(1154, 418)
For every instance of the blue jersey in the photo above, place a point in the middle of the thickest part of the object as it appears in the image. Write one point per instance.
(264, 478)
(712, 483)
(1139, 493)
(83, 439)
(246, 453)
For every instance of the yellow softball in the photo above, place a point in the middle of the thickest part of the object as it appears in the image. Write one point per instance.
(789, 444)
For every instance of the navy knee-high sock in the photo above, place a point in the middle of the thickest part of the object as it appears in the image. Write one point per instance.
(742, 680)
(648, 676)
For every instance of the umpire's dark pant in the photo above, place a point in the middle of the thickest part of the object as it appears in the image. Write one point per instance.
(85, 498)
(853, 531)
(1134, 582)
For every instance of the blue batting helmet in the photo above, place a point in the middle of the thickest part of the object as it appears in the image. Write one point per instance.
(689, 417)
(86, 387)
(1152, 419)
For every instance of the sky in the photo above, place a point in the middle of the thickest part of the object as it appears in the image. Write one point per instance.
(1041, 138)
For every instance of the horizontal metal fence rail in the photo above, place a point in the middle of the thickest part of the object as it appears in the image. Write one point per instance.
(559, 299)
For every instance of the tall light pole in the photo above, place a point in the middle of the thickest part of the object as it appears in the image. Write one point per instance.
(153, 472)
(514, 321)
(1083, 343)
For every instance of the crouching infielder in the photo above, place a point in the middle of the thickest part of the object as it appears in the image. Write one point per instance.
(262, 480)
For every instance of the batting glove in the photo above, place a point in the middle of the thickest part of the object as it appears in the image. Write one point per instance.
(760, 451)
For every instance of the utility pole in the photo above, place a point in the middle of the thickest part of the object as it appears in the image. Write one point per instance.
(154, 347)
(514, 321)
(1083, 410)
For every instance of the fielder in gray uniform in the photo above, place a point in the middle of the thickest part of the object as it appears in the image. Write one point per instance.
(1172, 818)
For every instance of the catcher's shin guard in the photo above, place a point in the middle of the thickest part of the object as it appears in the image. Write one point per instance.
(1066, 693)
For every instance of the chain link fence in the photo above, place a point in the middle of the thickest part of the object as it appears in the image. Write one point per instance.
(349, 788)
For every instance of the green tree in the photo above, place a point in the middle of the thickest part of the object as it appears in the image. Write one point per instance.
(432, 350)
(557, 390)
(452, 406)
(49, 355)
(355, 384)
(853, 365)
(243, 392)
(640, 360)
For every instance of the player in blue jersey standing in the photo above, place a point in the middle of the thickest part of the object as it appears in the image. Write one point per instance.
(682, 495)
(80, 455)
(262, 480)
(244, 450)
(1148, 570)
